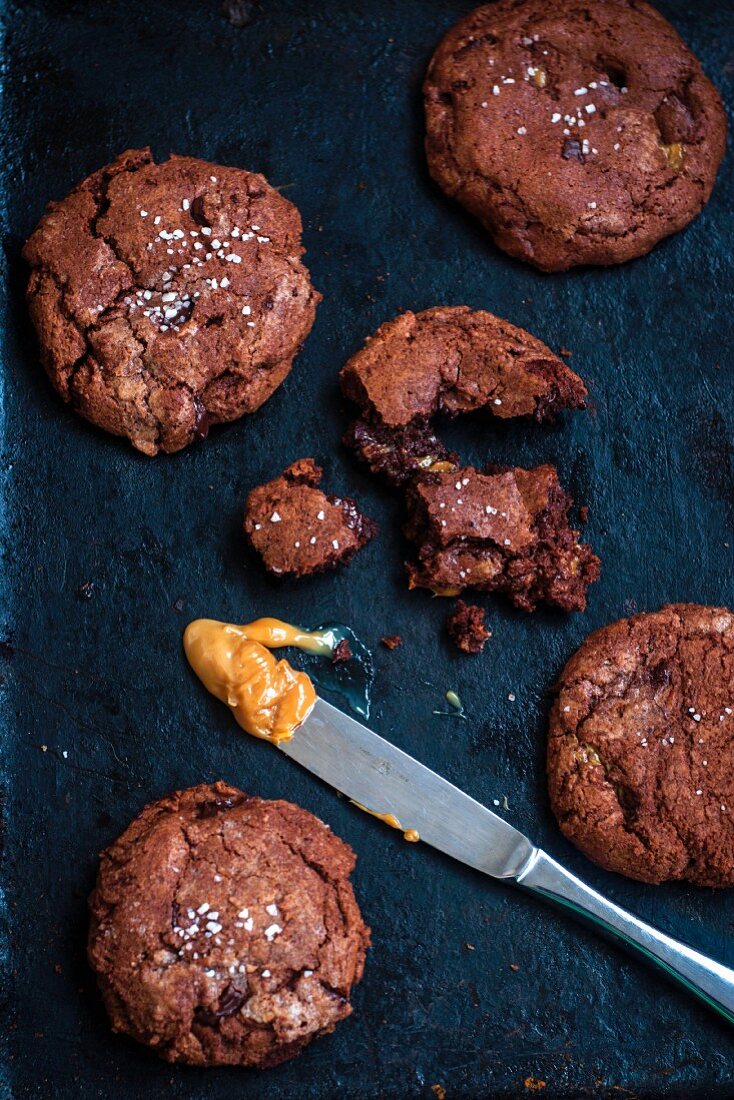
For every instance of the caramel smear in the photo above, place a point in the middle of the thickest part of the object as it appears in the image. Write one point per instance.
(411, 835)
(267, 697)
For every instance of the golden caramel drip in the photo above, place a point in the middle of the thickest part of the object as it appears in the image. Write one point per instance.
(411, 835)
(268, 698)
(675, 155)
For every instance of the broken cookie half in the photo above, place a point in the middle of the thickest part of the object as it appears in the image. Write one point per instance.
(452, 360)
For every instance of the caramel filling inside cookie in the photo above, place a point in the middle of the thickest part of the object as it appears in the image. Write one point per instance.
(268, 698)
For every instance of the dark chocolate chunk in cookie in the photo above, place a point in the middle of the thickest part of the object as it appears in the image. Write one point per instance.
(224, 929)
(298, 529)
(577, 133)
(640, 766)
(168, 297)
(503, 530)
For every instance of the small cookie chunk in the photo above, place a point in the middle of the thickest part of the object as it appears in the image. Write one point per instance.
(640, 769)
(398, 454)
(455, 360)
(297, 529)
(224, 929)
(502, 530)
(465, 626)
(576, 133)
(168, 297)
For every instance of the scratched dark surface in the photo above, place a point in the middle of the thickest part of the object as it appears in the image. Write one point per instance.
(324, 99)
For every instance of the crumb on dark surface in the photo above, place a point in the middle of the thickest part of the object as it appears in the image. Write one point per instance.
(391, 641)
(85, 591)
(178, 605)
(584, 513)
(239, 13)
(342, 652)
(465, 627)
(565, 352)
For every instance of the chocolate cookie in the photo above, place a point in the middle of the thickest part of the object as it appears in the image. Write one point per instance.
(640, 766)
(224, 929)
(576, 133)
(502, 530)
(168, 297)
(298, 529)
(454, 360)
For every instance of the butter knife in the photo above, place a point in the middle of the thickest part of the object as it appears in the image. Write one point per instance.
(379, 776)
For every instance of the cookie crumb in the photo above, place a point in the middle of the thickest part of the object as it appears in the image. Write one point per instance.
(391, 641)
(465, 627)
(342, 652)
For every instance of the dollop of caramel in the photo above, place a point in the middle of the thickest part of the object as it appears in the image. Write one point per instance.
(267, 697)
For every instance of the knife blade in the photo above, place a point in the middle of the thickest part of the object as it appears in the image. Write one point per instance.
(382, 778)
(375, 773)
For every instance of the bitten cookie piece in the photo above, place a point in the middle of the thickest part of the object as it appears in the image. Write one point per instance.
(455, 360)
(576, 133)
(640, 766)
(465, 626)
(298, 529)
(502, 530)
(224, 929)
(168, 297)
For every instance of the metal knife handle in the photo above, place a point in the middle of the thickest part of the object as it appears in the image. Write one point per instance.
(709, 980)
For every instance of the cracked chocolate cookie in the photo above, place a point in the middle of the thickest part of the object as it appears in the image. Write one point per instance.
(168, 297)
(576, 133)
(224, 929)
(297, 529)
(640, 766)
(503, 530)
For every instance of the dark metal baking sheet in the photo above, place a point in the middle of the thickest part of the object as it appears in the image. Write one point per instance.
(324, 99)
